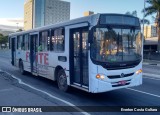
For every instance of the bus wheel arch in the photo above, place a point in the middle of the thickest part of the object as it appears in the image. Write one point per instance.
(61, 78)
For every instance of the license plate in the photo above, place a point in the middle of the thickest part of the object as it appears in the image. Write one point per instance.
(122, 82)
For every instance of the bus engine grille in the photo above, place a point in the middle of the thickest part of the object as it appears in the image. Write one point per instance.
(119, 76)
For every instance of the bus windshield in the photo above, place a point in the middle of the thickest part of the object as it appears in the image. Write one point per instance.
(111, 44)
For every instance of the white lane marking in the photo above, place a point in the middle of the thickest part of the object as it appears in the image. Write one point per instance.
(153, 75)
(144, 92)
(50, 95)
(151, 78)
(4, 90)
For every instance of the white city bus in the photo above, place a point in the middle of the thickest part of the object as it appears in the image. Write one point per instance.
(97, 53)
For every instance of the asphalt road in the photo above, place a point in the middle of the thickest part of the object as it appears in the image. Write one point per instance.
(147, 94)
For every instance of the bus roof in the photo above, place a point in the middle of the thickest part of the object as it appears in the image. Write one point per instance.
(61, 24)
(86, 19)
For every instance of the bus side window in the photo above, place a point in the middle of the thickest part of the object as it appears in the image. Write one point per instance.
(58, 39)
(20, 43)
(23, 43)
(44, 41)
(61, 39)
(53, 40)
(26, 42)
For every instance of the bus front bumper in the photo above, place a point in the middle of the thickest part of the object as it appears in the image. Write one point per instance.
(103, 85)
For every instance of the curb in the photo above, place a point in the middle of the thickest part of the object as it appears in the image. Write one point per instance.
(151, 60)
(152, 64)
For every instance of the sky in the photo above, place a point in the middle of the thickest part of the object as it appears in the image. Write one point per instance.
(14, 8)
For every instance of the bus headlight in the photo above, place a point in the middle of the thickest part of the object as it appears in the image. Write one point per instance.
(98, 76)
(139, 71)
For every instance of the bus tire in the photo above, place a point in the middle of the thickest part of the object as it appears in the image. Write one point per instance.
(21, 68)
(62, 81)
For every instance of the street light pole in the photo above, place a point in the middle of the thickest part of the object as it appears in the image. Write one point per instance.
(143, 28)
(17, 25)
(144, 15)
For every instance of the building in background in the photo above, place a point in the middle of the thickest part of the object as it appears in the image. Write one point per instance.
(28, 14)
(150, 31)
(39, 13)
(88, 13)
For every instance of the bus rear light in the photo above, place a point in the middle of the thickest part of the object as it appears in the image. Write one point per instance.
(139, 71)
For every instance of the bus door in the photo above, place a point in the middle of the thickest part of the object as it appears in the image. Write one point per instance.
(13, 50)
(79, 57)
(33, 52)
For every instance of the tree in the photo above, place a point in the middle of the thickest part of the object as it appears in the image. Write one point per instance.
(134, 13)
(3, 39)
(154, 8)
(145, 21)
(19, 30)
(1, 35)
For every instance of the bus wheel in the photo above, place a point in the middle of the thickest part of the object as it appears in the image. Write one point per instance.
(62, 81)
(21, 67)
